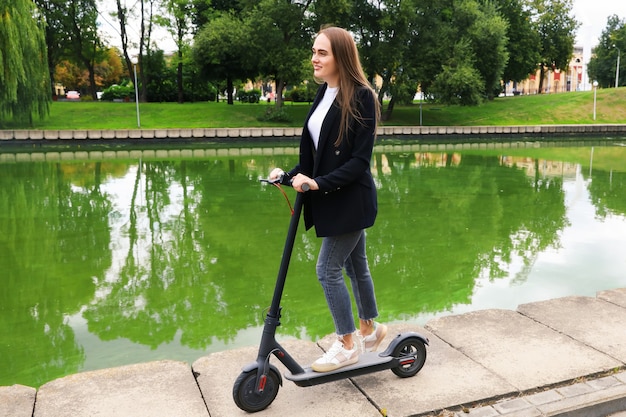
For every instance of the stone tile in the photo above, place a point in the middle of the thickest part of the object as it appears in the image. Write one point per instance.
(487, 411)
(600, 319)
(616, 296)
(514, 405)
(448, 379)
(518, 349)
(575, 389)
(217, 372)
(17, 401)
(604, 382)
(544, 397)
(162, 388)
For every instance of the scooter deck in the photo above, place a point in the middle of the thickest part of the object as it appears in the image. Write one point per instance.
(368, 363)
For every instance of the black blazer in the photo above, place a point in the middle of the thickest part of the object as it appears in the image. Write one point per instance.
(346, 200)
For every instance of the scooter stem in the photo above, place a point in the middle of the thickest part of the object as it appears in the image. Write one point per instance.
(274, 311)
(269, 345)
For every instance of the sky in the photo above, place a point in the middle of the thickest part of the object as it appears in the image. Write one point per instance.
(593, 15)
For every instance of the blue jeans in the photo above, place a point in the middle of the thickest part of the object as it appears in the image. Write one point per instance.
(339, 252)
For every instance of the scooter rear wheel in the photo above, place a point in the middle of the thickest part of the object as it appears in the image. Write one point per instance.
(411, 354)
(244, 391)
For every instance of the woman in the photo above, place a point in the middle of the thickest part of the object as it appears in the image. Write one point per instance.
(335, 153)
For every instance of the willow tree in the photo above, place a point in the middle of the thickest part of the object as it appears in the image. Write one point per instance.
(24, 78)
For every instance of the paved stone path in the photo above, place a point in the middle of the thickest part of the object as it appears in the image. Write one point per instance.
(564, 357)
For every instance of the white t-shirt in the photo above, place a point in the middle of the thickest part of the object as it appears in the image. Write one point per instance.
(318, 116)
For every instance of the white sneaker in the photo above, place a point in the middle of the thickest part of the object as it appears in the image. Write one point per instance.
(336, 357)
(372, 341)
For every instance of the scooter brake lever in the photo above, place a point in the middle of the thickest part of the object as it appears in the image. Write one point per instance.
(270, 181)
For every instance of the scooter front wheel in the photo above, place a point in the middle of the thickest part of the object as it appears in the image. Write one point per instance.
(411, 354)
(244, 390)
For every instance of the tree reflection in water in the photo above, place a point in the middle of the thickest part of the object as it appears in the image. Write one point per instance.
(183, 253)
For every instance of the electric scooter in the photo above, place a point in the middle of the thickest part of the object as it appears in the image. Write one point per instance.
(257, 385)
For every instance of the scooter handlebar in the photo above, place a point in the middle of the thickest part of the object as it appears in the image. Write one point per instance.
(269, 181)
(305, 187)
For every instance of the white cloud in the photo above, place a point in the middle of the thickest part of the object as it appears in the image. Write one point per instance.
(593, 15)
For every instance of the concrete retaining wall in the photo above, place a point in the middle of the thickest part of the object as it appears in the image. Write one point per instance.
(17, 136)
(43, 154)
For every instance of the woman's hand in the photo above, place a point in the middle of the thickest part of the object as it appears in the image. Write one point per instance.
(301, 179)
(276, 173)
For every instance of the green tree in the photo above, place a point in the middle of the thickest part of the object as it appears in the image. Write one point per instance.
(221, 48)
(331, 12)
(383, 31)
(54, 13)
(24, 77)
(557, 30)
(432, 42)
(459, 82)
(146, 20)
(177, 20)
(602, 65)
(203, 10)
(523, 40)
(83, 43)
(486, 32)
(473, 55)
(280, 39)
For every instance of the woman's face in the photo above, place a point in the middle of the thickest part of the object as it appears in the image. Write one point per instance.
(324, 64)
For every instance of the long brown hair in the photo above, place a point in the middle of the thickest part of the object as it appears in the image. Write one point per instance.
(351, 77)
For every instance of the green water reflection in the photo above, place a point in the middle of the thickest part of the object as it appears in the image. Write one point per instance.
(121, 261)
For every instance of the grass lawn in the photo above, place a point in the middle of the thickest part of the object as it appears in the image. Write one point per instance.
(562, 108)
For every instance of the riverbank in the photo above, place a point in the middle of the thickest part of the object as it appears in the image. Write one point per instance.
(574, 107)
(41, 137)
(564, 357)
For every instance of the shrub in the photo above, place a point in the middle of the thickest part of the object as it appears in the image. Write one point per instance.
(275, 114)
(301, 94)
(118, 92)
(250, 96)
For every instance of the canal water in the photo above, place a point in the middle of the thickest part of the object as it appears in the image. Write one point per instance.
(115, 256)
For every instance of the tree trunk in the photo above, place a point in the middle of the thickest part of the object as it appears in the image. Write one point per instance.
(145, 46)
(386, 115)
(542, 74)
(280, 86)
(179, 77)
(229, 90)
(51, 75)
(121, 16)
(92, 79)
(142, 79)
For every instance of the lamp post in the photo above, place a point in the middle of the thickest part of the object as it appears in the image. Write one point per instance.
(595, 90)
(421, 99)
(136, 93)
(619, 53)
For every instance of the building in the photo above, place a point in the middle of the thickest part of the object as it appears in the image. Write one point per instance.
(555, 81)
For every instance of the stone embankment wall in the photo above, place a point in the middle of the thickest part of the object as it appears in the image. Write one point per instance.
(414, 132)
